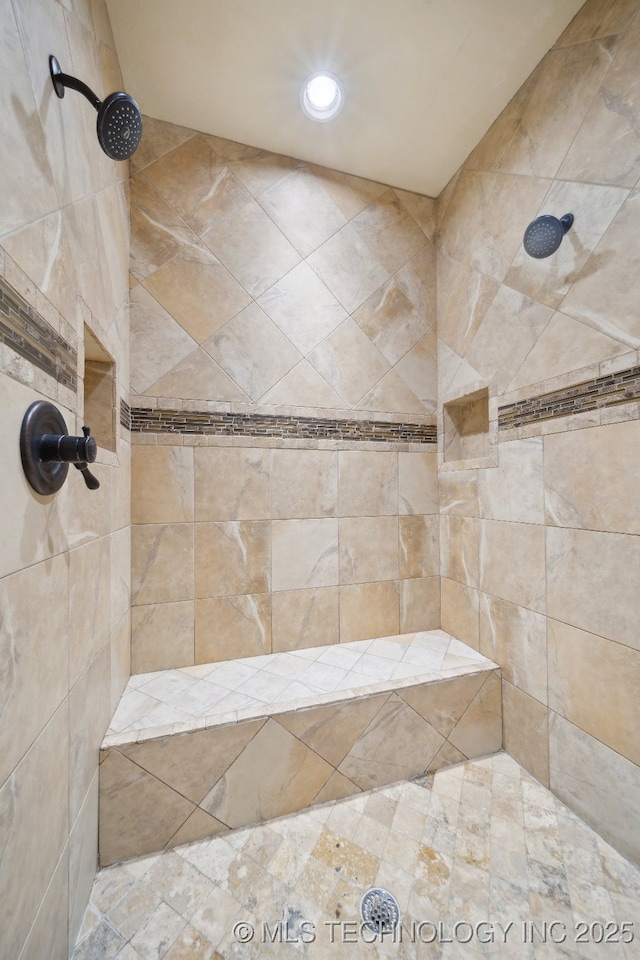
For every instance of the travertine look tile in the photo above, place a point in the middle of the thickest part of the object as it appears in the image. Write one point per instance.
(460, 611)
(158, 343)
(592, 582)
(397, 315)
(599, 20)
(253, 351)
(389, 231)
(533, 133)
(418, 482)
(582, 771)
(443, 704)
(230, 627)
(32, 844)
(157, 233)
(419, 546)
(162, 636)
(287, 774)
(304, 484)
(303, 386)
(369, 610)
(376, 758)
(304, 553)
(252, 248)
(348, 267)
(197, 185)
(581, 666)
(197, 377)
(611, 120)
(368, 483)
(198, 292)
(590, 478)
(464, 296)
(368, 549)
(458, 491)
(192, 763)
(392, 394)
(162, 484)
(89, 603)
(128, 794)
(232, 483)
(459, 549)
(232, 558)
(512, 562)
(33, 641)
(514, 490)
(303, 210)
(89, 713)
(161, 562)
(479, 730)
(160, 138)
(332, 730)
(526, 731)
(508, 331)
(349, 362)
(419, 604)
(303, 308)
(305, 618)
(516, 638)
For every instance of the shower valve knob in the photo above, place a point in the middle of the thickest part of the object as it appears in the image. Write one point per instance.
(47, 449)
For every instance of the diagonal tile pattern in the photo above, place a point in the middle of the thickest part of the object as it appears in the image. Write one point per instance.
(482, 859)
(213, 747)
(223, 234)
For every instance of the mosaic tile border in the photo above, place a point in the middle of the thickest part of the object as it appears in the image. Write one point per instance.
(606, 391)
(25, 331)
(144, 420)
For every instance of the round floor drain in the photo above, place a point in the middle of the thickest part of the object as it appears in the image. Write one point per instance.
(379, 910)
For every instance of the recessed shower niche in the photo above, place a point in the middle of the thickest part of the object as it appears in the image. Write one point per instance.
(469, 430)
(99, 392)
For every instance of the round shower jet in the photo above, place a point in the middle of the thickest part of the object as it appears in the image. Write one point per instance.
(544, 235)
(119, 119)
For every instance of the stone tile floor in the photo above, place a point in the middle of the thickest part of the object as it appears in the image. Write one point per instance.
(482, 859)
(238, 689)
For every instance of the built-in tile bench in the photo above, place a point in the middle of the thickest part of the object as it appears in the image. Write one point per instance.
(201, 750)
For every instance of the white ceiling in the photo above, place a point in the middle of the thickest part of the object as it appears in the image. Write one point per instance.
(423, 79)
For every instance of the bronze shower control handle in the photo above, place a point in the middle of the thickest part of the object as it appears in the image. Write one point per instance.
(47, 449)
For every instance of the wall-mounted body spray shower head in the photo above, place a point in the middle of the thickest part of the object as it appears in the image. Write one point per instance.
(119, 119)
(544, 235)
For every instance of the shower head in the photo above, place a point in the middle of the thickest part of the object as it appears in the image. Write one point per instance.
(119, 120)
(544, 235)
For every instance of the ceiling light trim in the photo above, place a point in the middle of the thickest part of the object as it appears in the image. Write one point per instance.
(322, 96)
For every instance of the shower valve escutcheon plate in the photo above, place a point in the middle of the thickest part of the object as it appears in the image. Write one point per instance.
(47, 450)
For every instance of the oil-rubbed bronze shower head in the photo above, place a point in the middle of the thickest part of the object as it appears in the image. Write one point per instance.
(544, 235)
(119, 118)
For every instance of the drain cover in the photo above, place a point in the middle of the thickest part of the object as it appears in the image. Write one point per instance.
(379, 910)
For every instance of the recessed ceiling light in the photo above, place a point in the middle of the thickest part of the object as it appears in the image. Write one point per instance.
(321, 96)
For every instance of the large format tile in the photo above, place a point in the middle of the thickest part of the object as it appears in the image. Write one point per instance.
(232, 558)
(368, 483)
(162, 484)
(305, 618)
(512, 562)
(516, 638)
(232, 483)
(368, 549)
(591, 478)
(304, 553)
(514, 489)
(348, 267)
(581, 668)
(592, 582)
(303, 210)
(583, 771)
(161, 562)
(369, 610)
(230, 627)
(304, 484)
(526, 731)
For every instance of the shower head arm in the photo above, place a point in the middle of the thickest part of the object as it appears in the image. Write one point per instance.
(61, 80)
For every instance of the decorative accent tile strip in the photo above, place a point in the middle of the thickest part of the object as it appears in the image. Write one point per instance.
(125, 414)
(608, 391)
(263, 425)
(29, 334)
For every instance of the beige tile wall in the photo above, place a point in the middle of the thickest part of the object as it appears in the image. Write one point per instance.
(64, 560)
(290, 548)
(259, 279)
(263, 283)
(541, 555)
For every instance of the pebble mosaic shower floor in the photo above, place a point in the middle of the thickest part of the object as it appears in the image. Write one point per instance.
(482, 859)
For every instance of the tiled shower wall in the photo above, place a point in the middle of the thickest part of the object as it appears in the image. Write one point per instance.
(266, 286)
(540, 557)
(65, 559)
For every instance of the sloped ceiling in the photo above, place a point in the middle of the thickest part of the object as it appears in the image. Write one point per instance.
(423, 79)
